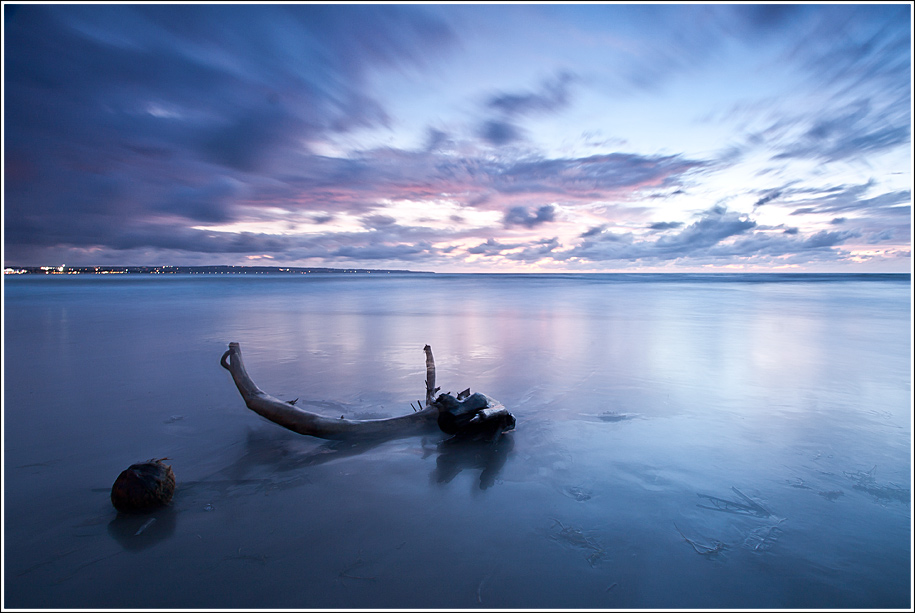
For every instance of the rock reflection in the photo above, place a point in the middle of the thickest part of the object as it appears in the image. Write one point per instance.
(139, 531)
(486, 455)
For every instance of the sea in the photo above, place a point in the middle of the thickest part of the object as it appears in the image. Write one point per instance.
(685, 441)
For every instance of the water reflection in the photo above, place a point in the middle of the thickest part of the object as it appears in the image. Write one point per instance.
(287, 456)
(486, 455)
(281, 452)
(139, 531)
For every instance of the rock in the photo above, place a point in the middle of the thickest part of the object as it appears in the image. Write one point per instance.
(143, 486)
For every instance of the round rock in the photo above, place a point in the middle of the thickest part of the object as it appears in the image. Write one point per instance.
(143, 486)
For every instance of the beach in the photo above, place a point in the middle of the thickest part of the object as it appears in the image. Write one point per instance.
(682, 441)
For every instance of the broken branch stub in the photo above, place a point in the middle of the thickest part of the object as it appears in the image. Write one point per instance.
(469, 413)
(430, 376)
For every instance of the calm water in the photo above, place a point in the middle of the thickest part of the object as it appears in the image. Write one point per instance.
(682, 441)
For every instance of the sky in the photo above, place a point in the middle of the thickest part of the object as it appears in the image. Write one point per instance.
(460, 137)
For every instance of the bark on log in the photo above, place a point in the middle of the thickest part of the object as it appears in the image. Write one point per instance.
(305, 422)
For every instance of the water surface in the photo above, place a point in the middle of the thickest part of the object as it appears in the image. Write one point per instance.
(686, 441)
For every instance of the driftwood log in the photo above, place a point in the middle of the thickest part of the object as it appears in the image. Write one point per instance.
(464, 414)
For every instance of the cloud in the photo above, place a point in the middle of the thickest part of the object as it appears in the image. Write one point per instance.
(593, 231)
(378, 221)
(857, 60)
(553, 96)
(766, 245)
(718, 235)
(851, 198)
(541, 249)
(246, 141)
(499, 133)
(768, 197)
(714, 225)
(762, 19)
(858, 47)
(209, 203)
(383, 252)
(214, 131)
(591, 176)
(855, 132)
(665, 225)
(520, 216)
(491, 247)
(131, 110)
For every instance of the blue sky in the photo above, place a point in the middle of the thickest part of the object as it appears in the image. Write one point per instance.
(460, 138)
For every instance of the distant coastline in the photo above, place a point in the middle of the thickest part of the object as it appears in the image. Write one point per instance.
(294, 270)
(191, 270)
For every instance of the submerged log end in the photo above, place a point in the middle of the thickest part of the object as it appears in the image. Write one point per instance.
(474, 414)
(143, 486)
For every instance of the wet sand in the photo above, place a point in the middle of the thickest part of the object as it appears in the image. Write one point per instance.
(690, 445)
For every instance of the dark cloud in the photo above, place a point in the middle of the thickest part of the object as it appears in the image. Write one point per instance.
(498, 132)
(858, 60)
(520, 216)
(715, 225)
(718, 235)
(503, 130)
(553, 96)
(136, 111)
(665, 225)
(696, 239)
(592, 176)
(394, 174)
(209, 203)
(848, 133)
(246, 141)
(593, 231)
(437, 139)
(383, 252)
(378, 221)
(852, 198)
(491, 247)
(768, 197)
(767, 18)
(540, 249)
(865, 47)
(762, 244)
(518, 252)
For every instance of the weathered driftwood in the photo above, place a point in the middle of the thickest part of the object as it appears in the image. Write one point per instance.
(305, 422)
(468, 413)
